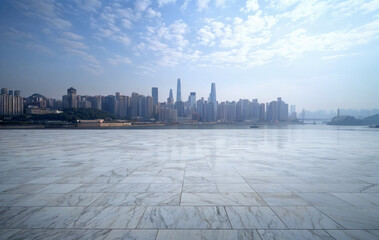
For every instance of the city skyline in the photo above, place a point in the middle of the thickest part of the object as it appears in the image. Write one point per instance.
(299, 50)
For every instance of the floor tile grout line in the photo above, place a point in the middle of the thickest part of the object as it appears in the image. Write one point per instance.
(265, 202)
(339, 224)
(184, 177)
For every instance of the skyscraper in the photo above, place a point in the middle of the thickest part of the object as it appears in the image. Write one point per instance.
(69, 100)
(213, 103)
(192, 100)
(170, 99)
(154, 94)
(178, 91)
(212, 95)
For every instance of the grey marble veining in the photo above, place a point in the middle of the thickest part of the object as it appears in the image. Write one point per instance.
(353, 217)
(208, 235)
(53, 234)
(276, 182)
(254, 218)
(305, 217)
(132, 235)
(282, 199)
(354, 234)
(221, 199)
(108, 217)
(185, 217)
(137, 199)
(294, 235)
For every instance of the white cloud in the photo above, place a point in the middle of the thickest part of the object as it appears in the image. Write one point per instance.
(142, 5)
(202, 4)
(126, 23)
(220, 3)
(152, 13)
(253, 31)
(349, 7)
(118, 60)
(89, 5)
(48, 10)
(184, 5)
(164, 2)
(72, 36)
(125, 40)
(251, 6)
(73, 44)
(307, 10)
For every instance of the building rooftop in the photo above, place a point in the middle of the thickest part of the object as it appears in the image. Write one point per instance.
(188, 184)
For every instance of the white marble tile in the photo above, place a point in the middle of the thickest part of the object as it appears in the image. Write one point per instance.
(360, 199)
(208, 235)
(254, 218)
(294, 235)
(165, 187)
(353, 235)
(234, 188)
(35, 200)
(94, 188)
(269, 188)
(353, 217)
(59, 188)
(144, 198)
(172, 217)
(304, 217)
(204, 188)
(323, 199)
(75, 199)
(109, 217)
(53, 234)
(282, 199)
(43, 180)
(221, 199)
(50, 217)
(132, 235)
(8, 233)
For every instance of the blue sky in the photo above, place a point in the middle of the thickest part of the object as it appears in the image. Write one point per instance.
(317, 54)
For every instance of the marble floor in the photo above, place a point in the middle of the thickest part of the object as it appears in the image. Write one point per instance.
(274, 183)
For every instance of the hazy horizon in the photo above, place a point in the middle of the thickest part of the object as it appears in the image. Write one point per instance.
(314, 54)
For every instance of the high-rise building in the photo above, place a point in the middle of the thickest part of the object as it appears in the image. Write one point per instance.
(154, 94)
(134, 105)
(70, 100)
(192, 100)
(212, 95)
(178, 91)
(213, 103)
(293, 109)
(11, 103)
(170, 99)
(149, 107)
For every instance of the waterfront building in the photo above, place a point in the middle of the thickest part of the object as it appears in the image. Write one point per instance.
(154, 94)
(178, 91)
(11, 103)
(70, 100)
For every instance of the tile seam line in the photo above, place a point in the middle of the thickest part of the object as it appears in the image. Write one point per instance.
(205, 229)
(262, 199)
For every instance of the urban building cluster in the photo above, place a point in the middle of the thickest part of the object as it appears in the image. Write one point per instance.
(148, 108)
(11, 103)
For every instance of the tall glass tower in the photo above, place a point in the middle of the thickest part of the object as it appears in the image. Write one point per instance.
(154, 93)
(212, 95)
(178, 91)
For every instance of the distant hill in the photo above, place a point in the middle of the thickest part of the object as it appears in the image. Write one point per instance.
(345, 120)
(372, 120)
(349, 120)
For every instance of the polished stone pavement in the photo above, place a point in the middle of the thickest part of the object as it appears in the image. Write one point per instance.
(293, 182)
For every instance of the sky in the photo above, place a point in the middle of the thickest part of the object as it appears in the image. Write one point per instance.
(316, 54)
